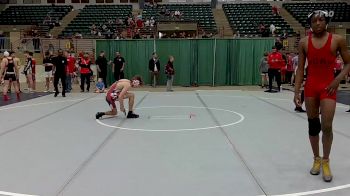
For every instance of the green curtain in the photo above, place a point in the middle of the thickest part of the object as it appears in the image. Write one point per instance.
(181, 50)
(234, 61)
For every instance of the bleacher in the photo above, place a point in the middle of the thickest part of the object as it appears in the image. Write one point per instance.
(96, 14)
(246, 18)
(300, 10)
(28, 15)
(200, 13)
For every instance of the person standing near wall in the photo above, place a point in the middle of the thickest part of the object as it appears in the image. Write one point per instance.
(170, 72)
(263, 68)
(276, 62)
(154, 68)
(101, 63)
(118, 66)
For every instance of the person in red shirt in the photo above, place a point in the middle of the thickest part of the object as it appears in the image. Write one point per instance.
(276, 63)
(85, 72)
(320, 49)
(69, 71)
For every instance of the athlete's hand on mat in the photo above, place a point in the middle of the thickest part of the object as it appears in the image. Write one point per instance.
(297, 99)
(332, 87)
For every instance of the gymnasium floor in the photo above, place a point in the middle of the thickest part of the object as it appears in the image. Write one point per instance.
(194, 143)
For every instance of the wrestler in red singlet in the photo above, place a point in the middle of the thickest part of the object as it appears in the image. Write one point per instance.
(320, 70)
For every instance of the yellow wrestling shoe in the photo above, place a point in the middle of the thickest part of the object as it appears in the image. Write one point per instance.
(326, 171)
(316, 167)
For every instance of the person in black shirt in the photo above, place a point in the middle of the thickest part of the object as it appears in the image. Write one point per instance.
(154, 68)
(118, 67)
(101, 63)
(47, 62)
(60, 63)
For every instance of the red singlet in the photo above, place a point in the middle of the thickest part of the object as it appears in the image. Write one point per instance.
(320, 70)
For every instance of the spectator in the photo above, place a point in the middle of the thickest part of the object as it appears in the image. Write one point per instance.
(275, 62)
(101, 63)
(85, 72)
(118, 66)
(147, 23)
(70, 70)
(100, 86)
(236, 34)
(170, 72)
(139, 23)
(48, 63)
(263, 68)
(152, 21)
(154, 68)
(36, 40)
(139, 16)
(275, 11)
(272, 29)
(163, 11)
(2, 40)
(284, 35)
(78, 35)
(60, 63)
(177, 14)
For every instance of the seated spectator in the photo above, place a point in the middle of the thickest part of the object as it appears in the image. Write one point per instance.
(167, 12)
(47, 20)
(205, 35)
(78, 35)
(139, 23)
(137, 34)
(152, 21)
(57, 22)
(272, 29)
(139, 16)
(147, 23)
(275, 10)
(162, 11)
(237, 34)
(100, 86)
(284, 35)
(177, 14)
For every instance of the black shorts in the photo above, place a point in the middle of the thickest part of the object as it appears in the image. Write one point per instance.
(11, 77)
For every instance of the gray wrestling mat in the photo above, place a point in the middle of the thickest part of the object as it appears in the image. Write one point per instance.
(200, 143)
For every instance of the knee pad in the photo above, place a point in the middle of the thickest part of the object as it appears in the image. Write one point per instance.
(314, 126)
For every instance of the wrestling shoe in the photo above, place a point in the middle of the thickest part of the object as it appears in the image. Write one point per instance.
(326, 171)
(316, 167)
(99, 115)
(132, 115)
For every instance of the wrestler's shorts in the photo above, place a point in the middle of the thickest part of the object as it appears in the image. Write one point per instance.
(318, 91)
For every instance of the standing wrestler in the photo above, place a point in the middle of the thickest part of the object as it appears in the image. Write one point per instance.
(118, 92)
(9, 74)
(320, 49)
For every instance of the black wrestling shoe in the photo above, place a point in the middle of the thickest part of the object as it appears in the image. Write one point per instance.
(299, 109)
(132, 115)
(56, 93)
(348, 110)
(99, 115)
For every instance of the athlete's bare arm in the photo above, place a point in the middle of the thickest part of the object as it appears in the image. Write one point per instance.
(2, 68)
(342, 48)
(299, 76)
